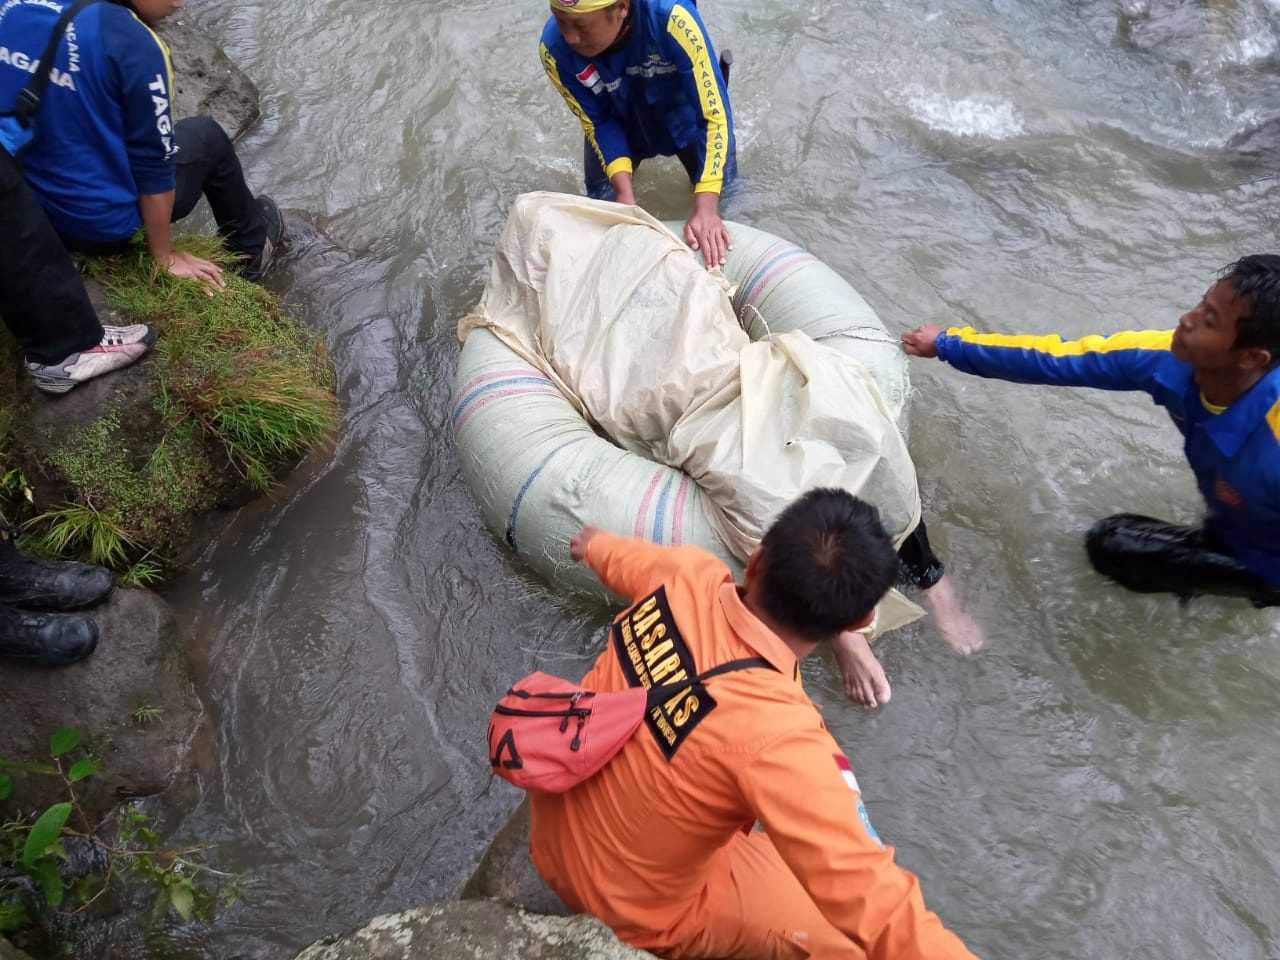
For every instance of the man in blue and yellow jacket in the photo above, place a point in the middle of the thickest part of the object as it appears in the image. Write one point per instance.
(1218, 375)
(644, 81)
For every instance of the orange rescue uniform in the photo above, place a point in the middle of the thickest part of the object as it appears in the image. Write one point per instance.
(659, 844)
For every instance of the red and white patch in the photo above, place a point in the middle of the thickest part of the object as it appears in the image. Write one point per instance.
(846, 771)
(590, 77)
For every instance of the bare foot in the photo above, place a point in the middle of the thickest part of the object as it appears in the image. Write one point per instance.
(954, 622)
(864, 679)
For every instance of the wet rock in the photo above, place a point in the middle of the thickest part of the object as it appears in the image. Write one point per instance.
(474, 930)
(506, 911)
(132, 700)
(507, 872)
(1151, 24)
(206, 82)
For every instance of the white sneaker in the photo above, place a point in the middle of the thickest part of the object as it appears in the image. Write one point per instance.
(119, 347)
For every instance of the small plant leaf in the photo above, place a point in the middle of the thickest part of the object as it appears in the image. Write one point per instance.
(46, 873)
(63, 741)
(83, 768)
(44, 833)
(13, 916)
(182, 898)
(6, 787)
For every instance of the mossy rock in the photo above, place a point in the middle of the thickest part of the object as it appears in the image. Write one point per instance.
(475, 930)
(117, 470)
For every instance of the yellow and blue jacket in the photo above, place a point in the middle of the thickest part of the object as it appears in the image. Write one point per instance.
(1234, 452)
(655, 94)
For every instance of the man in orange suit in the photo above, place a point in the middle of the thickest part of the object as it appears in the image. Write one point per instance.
(659, 844)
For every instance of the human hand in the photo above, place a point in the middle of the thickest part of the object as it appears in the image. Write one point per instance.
(920, 342)
(578, 545)
(195, 268)
(705, 231)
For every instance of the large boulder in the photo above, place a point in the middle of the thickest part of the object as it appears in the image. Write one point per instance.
(475, 930)
(132, 700)
(506, 873)
(206, 83)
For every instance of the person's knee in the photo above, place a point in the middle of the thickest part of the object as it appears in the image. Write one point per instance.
(1102, 541)
(201, 133)
(1132, 550)
(1113, 540)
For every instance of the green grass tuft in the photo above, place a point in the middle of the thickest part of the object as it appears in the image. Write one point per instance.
(241, 391)
(79, 529)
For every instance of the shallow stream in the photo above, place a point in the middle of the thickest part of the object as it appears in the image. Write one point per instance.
(1098, 782)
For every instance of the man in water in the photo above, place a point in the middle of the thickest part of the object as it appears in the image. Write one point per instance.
(642, 78)
(659, 844)
(1218, 375)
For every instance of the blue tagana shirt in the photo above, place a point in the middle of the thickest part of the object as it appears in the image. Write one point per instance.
(104, 130)
(660, 91)
(1234, 453)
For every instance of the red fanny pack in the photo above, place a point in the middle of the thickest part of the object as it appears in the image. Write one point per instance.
(548, 734)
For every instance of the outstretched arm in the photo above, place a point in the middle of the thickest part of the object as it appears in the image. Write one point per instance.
(1122, 361)
(605, 134)
(705, 88)
(628, 566)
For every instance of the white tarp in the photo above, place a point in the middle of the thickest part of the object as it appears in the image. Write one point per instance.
(626, 320)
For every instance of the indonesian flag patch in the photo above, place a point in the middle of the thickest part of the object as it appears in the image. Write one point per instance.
(846, 771)
(590, 78)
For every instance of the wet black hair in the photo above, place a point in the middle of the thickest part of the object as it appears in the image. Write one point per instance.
(825, 564)
(1257, 278)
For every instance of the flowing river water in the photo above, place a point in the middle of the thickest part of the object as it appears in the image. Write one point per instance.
(1097, 782)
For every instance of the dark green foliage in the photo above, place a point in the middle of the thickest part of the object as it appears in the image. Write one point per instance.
(37, 891)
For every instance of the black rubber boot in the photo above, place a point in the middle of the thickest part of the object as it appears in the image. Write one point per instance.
(48, 585)
(45, 639)
(1151, 556)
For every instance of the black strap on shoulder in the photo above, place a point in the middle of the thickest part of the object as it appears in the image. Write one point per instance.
(662, 692)
(29, 97)
(746, 663)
